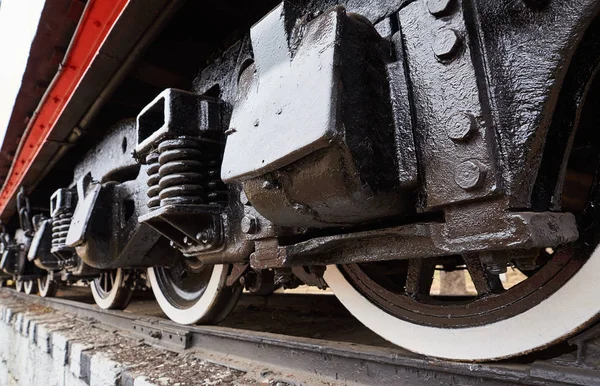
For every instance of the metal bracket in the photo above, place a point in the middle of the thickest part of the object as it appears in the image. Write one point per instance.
(451, 129)
(525, 230)
(175, 113)
(168, 337)
(88, 191)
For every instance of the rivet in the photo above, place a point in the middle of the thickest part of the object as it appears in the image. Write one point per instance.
(461, 126)
(446, 44)
(439, 8)
(249, 225)
(470, 175)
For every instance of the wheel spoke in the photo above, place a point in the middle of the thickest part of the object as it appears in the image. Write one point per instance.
(178, 273)
(485, 283)
(419, 277)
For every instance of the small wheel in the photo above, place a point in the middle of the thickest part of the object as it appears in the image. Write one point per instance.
(30, 287)
(111, 291)
(19, 285)
(194, 293)
(47, 287)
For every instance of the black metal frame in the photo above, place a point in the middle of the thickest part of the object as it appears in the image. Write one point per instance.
(475, 104)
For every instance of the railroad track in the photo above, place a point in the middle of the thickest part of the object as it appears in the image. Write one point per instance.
(333, 362)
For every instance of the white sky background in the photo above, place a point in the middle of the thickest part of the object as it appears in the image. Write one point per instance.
(18, 24)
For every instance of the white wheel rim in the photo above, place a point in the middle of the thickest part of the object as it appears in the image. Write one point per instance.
(42, 288)
(563, 313)
(197, 311)
(106, 302)
(44, 285)
(28, 286)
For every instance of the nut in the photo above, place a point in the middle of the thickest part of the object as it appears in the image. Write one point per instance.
(249, 225)
(446, 44)
(496, 268)
(439, 8)
(461, 126)
(470, 175)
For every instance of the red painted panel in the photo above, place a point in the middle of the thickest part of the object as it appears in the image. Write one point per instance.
(98, 21)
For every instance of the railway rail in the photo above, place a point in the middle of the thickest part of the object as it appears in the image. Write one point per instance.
(331, 361)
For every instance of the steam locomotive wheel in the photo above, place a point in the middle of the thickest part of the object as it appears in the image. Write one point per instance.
(30, 286)
(191, 292)
(47, 287)
(554, 302)
(111, 290)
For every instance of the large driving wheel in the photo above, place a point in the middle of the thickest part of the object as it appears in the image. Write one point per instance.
(394, 299)
(47, 287)
(111, 290)
(191, 292)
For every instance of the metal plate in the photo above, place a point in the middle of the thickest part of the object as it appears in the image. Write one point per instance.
(290, 107)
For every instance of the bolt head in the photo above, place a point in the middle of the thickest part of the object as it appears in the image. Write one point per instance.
(470, 175)
(268, 185)
(249, 225)
(461, 126)
(439, 8)
(446, 45)
(303, 209)
(204, 237)
(496, 268)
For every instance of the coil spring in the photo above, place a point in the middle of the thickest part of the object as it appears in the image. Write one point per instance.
(153, 179)
(60, 229)
(180, 181)
(184, 172)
